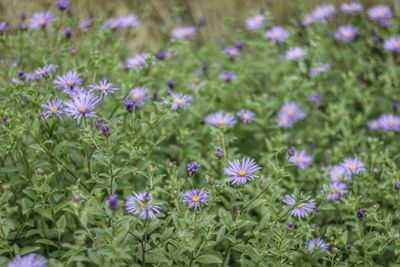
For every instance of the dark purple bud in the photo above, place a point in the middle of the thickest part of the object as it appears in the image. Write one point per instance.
(193, 167)
(290, 226)
(171, 84)
(98, 122)
(129, 106)
(239, 44)
(349, 246)
(313, 146)
(113, 202)
(219, 153)
(21, 73)
(105, 130)
(395, 105)
(397, 185)
(291, 152)
(317, 210)
(155, 96)
(23, 15)
(62, 4)
(5, 119)
(202, 21)
(162, 54)
(360, 213)
(68, 32)
(147, 197)
(21, 26)
(315, 98)
(261, 183)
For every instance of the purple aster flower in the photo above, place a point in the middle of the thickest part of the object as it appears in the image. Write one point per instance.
(138, 60)
(53, 107)
(193, 167)
(44, 71)
(77, 92)
(141, 205)
(195, 197)
(296, 54)
(62, 4)
(360, 213)
(397, 185)
(314, 98)
(392, 44)
(374, 124)
(255, 22)
(129, 21)
(389, 122)
(29, 260)
(3, 26)
(380, 13)
(219, 153)
(180, 100)
(241, 172)
(41, 19)
(68, 81)
(220, 119)
(232, 51)
(112, 202)
(246, 115)
(277, 34)
(137, 96)
(320, 68)
(317, 244)
(352, 166)
(351, 8)
(228, 76)
(301, 159)
(323, 13)
(288, 114)
(338, 174)
(104, 87)
(183, 32)
(346, 33)
(300, 208)
(85, 24)
(21, 26)
(336, 191)
(82, 106)
(68, 32)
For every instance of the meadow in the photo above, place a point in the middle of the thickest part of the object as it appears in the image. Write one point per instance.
(270, 142)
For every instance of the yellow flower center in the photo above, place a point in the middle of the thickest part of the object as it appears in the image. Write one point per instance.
(195, 198)
(290, 112)
(334, 190)
(178, 101)
(246, 116)
(54, 109)
(299, 159)
(347, 34)
(375, 125)
(135, 97)
(220, 122)
(352, 167)
(391, 123)
(276, 34)
(397, 45)
(103, 88)
(241, 173)
(69, 82)
(284, 120)
(300, 205)
(41, 22)
(81, 109)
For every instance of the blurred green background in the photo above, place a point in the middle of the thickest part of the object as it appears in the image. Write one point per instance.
(159, 16)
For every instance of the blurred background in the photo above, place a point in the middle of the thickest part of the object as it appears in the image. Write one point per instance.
(159, 16)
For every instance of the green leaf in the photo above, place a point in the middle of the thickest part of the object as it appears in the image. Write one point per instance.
(61, 224)
(208, 259)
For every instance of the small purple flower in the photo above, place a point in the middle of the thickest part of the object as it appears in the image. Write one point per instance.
(122, 22)
(162, 54)
(21, 26)
(392, 44)
(82, 106)
(85, 24)
(246, 115)
(241, 172)
(193, 167)
(112, 202)
(104, 87)
(53, 107)
(314, 98)
(44, 71)
(41, 19)
(346, 33)
(183, 32)
(239, 44)
(352, 166)
(289, 114)
(319, 68)
(360, 213)
(195, 197)
(180, 100)
(374, 124)
(338, 174)
(301, 159)
(138, 96)
(300, 208)
(397, 185)
(336, 191)
(3, 26)
(317, 244)
(389, 122)
(138, 60)
(68, 32)
(220, 119)
(228, 76)
(62, 4)
(98, 123)
(105, 129)
(296, 54)
(277, 34)
(323, 13)
(380, 13)
(219, 153)
(351, 8)
(29, 260)
(68, 81)
(140, 204)
(232, 51)
(255, 22)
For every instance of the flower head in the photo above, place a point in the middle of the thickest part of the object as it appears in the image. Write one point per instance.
(346, 33)
(314, 98)
(53, 107)
(246, 115)
(296, 54)
(3, 26)
(301, 159)
(219, 153)
(374, 124)
(138, 96)
(195, 197)
(380, 13)
(220, 119)
(319, 68)
(193, 167)
(338, 174)
(183, 32)
(228, 76)
(62, 4)
(317, 244)
(255, 22)
(41, 20)
(240, 172)
(180, 100)
(112, 202)
(336, 191)
(351, 8)
(29, 260)
(122, 22)
(392, 44)
(82, 106)
(389, 122)
(353, 166)
(85, 24)
(277, 34)
(138, 60)
(141, 204)
(232, 51)
(289, 114)
(104, 87)
(68, 81)
(300, 207)
(323, 13)
(44, 71)
(360, 213)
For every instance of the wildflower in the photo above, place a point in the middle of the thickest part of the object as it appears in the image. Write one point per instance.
(112, 202)
(220, 119)
(195, 197)
(380, 13)
(129, 106)
(68, 32)
(202, 21)
(140, 204)
(98, 123)
(171, 84)
(5, 119)
(290, 226)
(138, 95)
(296, 54)
(183, 32)
(122, 22)
(351, 8)
(317, 244)
(41, 20)
(85, 24)
(138, 60)
(392, 44)
(291, 151)
(193, 167)
(3, 26)
(314, 98)
(277, 34)
(300, 208)
(104, 87)
(346, 33)
(82, 106)
(228, 76)
(323, 13)
(389, 122)
(338, 174)
(241, 172)
(53, 107)
(62, 4)
(360, 213)
(232, 51)
(219, 153)
(180, 100)
(397, 185)
(44, 71)
(320, 67)
(29, 260)
(21, 26)
(374, 124)
(246, 115)
(255, 22)
(105, 130)
(336, 191)
(289, 114)
(68, 81)
(239, 44)
(301, 159)
(353, 166)
(162, 54)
